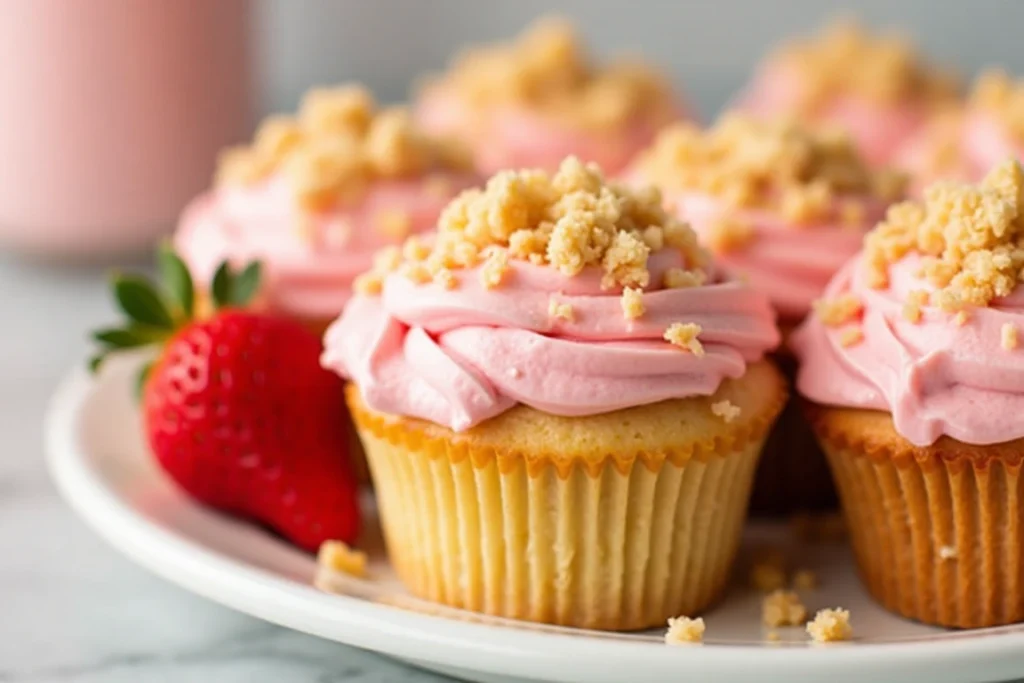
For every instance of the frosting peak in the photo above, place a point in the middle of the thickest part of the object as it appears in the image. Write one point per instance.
(563, 292)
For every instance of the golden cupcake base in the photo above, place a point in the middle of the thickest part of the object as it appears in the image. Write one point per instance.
(615, 521)
(938, 531)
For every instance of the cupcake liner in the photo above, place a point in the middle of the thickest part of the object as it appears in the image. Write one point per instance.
(937, 531)
(613, 544)
(793, 475)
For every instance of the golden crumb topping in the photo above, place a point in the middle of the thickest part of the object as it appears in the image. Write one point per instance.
(782, 608)
(339, 143)
(338, 556)
(845, 59)
(560, 309)
(838, 311)
(998, 94)
(684, 335)
(1008, 336)
(725, 410)
(633, 303)
(684, 630)
(568, 221)
(972, 238)
(830, 625)
(851, 336)
(804, 174)
(547, 69)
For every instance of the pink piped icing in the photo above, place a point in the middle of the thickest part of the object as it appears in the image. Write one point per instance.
(457, 357)
(878, 130)
(309, 261)
(935, 377)
(516, 137)
(790, 264)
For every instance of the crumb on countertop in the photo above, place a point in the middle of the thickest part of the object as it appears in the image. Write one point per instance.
(338, 556)
(683, 630)
(782, 608)
(830, 625)
(805, 579)
(768, 570)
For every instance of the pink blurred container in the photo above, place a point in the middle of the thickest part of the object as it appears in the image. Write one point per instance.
(111, 115)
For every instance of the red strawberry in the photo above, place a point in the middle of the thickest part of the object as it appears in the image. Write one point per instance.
(237, 409)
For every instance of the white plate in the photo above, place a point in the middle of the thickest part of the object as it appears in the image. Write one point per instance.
(98, 459)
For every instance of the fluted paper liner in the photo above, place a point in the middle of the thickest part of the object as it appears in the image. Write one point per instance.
(937, 531)
(611, 543)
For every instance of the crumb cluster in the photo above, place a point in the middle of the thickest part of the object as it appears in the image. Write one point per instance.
(768, 570)
(782, 608)
(838, 311)
(972, 238)
(684, 630)
(568, 221)
(806, 175)
(845, 59)
(684, 335)
(830, 625)
(338, 556)
(339, 143)
(996, 93)
(547, 69)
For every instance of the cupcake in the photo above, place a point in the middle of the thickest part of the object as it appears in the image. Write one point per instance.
(784, 206)
(313, 198)
(913, 372)
(532, 102)
(963, 142)
(875, 87)
(562, 402)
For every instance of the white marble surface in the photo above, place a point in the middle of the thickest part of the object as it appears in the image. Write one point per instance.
(71, 609)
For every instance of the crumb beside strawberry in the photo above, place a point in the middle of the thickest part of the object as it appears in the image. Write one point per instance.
(237, 409)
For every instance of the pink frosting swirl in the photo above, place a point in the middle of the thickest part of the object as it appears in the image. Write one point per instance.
(790, 264)
(458, 357)
(516, 137)
(935, 377)
(878, 130)
(310, 261)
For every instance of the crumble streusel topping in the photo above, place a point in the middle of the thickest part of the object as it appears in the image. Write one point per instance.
(972, 237)
(998, 94)
(797, 171)
(339, 143)
(845, 59)
(568, 221)
(547, 69)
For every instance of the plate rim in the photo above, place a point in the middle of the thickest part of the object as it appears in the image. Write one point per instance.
(486, 648)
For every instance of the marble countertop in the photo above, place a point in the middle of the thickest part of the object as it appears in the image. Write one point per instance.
(71, 609)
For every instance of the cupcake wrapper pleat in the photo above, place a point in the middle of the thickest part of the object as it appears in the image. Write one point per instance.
(937, 538)
(619, 547)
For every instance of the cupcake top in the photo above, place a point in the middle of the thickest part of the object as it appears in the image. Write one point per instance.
(924, 323)
(540, 98)
(875, 86)
(315, 195)
(563, 292)
(782, 203)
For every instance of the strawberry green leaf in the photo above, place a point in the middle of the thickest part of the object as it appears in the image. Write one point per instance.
(141, 302)
(246, 284)
(129, 337)
(141, 379)
(176, 278)
(222, 285)
(96, 361)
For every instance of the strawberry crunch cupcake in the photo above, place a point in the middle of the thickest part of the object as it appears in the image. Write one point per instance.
(875, 87)
(784, 206)
(313, 197)
(562, 402)
(913, 372)
(963, 142)
(532, 102)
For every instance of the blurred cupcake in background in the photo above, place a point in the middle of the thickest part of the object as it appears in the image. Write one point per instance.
(963, 142)
(562, 401)
(540, 98)
(874, 86)
(785, 206)
(314, 196)
(913, 369)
